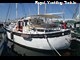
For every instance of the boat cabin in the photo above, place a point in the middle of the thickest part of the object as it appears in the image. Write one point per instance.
(36, 21)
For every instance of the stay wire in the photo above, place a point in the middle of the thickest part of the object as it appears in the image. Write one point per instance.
(7, 12)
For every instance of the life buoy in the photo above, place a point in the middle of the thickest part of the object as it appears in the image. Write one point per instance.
(19, 28)
(64, 25)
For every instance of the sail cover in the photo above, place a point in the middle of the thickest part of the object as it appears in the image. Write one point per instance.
(48, 16)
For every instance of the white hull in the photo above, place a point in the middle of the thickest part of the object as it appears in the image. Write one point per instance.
(62, 42)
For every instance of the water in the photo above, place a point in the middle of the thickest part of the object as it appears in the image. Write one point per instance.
(6, 51)
(75, 48)
(73, 51)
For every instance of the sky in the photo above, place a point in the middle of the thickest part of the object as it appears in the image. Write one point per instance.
(8, 10)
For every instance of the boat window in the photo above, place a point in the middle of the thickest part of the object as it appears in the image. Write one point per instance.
(51, 30)
(77, 25)
(41, 30)
(48, 30)
(25, 22)
(34, 29)
(20, 23)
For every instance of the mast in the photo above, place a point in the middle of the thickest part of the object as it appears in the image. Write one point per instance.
(16, 10)
(38, 8)
(79, 11)
(45, 8)
(29, 12)
(45, 13)
(63, 12)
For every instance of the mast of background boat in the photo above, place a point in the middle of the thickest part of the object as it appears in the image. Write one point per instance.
(16, 11)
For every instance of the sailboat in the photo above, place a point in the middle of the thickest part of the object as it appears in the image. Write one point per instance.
(76, 29)
(35, 33)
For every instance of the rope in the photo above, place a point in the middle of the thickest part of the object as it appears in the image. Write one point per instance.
(69, 9)
(53, 48)
(74, 14)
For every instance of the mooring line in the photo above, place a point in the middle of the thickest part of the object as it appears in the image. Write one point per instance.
(53, 48)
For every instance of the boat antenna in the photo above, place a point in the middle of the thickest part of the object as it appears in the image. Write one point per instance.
(16, 10)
